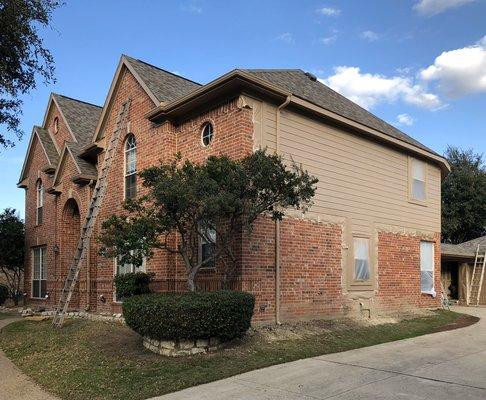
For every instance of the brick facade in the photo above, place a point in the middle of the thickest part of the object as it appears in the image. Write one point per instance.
(312, 283)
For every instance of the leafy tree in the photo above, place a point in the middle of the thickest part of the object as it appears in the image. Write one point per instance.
(215, 202)
(464, 197)
(12, 238)
(22, 56)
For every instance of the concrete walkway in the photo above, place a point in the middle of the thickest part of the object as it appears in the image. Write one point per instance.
(445, 365)
(14, 385)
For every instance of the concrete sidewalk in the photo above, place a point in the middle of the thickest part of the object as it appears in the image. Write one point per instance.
(445, 365)
(14, 385)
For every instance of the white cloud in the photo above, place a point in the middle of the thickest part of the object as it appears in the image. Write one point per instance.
(433, 7)
(370, 36)
(368, 90)
(192, 8)
(329, 11)
(405, 119)
(459, 72)
(286, 37)
(330, 39)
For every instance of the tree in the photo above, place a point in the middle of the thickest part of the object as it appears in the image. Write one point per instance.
(464, 197)
(212, 203)
(12, 239)
(22, 56)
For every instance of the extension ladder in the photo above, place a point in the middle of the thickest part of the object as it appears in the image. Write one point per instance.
(477, 277)
(87, 231)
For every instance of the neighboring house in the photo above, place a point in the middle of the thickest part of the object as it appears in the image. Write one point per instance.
(457, 269)
(370, 242)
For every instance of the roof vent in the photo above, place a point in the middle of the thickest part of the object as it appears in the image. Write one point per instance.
(312, 77)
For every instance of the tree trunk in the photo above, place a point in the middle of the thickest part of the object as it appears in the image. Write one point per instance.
(191, 284)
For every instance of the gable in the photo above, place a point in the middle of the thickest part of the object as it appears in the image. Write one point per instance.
(43, 149)
(67, 167)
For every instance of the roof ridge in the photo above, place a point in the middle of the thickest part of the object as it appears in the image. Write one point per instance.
(272, 69)
(77, 100)
(161, 69)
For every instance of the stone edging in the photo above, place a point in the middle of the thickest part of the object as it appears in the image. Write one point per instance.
(178, 348)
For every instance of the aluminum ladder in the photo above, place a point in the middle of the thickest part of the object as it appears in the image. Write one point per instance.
(477, 277)
(95, 203)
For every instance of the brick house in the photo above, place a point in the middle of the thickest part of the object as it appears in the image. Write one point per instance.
(370, 242)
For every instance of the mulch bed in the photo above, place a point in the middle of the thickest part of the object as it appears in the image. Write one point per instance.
(461, 322)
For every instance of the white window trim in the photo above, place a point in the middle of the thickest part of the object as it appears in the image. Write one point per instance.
(39, 201)
(43, 249)
(125, 152)
(411, 199)
(432, 292)
(359, 285)
(212, 134)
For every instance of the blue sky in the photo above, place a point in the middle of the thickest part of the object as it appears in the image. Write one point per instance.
(418, 64)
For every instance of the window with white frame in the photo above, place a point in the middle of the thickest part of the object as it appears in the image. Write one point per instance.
(130, 167)
(417, 180)
(207, 243)
(39, 272)
(125, 268)
(427, 267)
(40, 202)
(361, 247)
(207, 134)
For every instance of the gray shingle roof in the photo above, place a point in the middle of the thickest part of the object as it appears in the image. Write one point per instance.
(467, 249)
(165, 85)
(81, 117)
(85, 167)
(301, 85)
(48, 144)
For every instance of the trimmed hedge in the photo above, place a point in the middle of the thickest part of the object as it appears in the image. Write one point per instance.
(4, 294)
(166, 316)
(132, 284)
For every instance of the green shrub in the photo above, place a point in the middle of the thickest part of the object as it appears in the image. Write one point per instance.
(4, 294)
(167, 316)
(132, 284)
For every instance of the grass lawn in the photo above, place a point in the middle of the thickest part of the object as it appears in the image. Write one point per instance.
(94, 360)
(4, 315)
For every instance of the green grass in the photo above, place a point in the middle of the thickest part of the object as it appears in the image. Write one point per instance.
(106, 361)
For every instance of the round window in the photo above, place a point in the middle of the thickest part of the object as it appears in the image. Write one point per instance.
(207, 134)
(56, 125)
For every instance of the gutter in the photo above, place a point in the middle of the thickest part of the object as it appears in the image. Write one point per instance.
(277, 222)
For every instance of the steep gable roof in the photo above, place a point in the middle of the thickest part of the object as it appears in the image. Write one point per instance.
(80, 116)
(307, 87)
(166, 86)
(48, 145)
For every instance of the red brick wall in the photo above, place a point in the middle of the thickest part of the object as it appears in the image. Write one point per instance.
(63, 134)
(399, 272)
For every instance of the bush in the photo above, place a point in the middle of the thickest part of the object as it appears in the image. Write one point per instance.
(4, 294)
(165, 316)
(132, 284)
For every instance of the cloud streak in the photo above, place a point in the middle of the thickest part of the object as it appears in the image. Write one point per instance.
(429, 8)
(329, 11)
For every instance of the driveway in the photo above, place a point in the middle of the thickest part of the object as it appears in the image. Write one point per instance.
(14, 385)
(445, 365)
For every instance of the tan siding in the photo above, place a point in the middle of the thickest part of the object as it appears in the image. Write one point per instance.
(359, 179)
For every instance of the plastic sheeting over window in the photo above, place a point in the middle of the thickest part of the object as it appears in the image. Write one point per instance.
(427, 268)
(418, 180)
(361, 259)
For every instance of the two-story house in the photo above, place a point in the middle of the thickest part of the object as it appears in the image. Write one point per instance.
(370, 242)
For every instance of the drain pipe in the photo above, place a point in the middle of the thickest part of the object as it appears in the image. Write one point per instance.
(277, 222)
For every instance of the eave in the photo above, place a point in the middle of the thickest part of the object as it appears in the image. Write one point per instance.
(84, 179)
(91, 151)
(54, 190)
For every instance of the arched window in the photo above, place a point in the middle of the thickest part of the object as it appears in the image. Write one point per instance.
(207, 134)
(130, 167)
(40, 202)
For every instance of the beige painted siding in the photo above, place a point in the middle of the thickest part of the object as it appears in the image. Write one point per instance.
(359, 179)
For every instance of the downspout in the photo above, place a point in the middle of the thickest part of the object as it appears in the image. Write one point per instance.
(277, 222)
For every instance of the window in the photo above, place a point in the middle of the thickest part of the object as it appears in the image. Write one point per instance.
(207, 134)
(39, 273)
(427, 267)
(122, 269)
(361, 259)
(417, 180)
(206, 245)
(40, 202)
(130, 167)
(56, 125)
